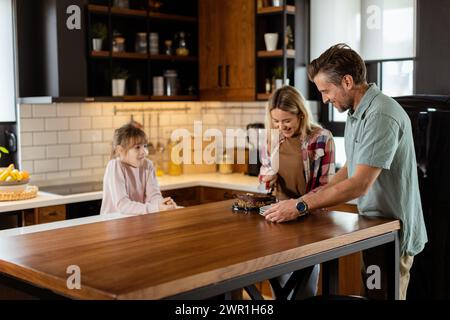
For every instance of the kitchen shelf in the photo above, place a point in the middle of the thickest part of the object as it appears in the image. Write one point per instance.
(140, 13)
(119, 55)
(263, 96)
(290, 54)
(116, 11)
(275, 10)
(162, 57)
(94, 8)
(172, 17)
(142, 56)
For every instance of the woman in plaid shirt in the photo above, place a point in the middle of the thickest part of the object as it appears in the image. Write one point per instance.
(299, 157)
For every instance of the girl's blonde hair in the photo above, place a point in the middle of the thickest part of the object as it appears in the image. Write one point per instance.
(127, 137)
(289, 99)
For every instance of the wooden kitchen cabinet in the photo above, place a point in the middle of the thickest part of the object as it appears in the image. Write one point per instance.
(227, 50)
(44, 215)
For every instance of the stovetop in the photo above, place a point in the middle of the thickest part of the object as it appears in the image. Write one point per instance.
(69, 189)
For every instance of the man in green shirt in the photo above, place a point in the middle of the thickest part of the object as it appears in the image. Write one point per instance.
(381, 168)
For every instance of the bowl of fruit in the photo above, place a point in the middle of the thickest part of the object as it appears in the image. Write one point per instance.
(13, 180)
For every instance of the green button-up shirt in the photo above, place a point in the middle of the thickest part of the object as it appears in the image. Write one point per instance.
(379, 135)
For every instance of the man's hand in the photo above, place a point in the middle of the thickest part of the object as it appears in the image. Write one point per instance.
(283, 211)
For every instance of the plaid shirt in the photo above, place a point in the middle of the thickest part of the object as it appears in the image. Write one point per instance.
(318, 153)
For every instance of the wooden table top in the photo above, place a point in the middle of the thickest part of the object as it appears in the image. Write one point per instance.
(160, 255)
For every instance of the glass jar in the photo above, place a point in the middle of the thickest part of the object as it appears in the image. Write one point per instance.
(141, 42)
(118, 44)
(171, 82)
(226, 166)
(182, 49)
(154, 43)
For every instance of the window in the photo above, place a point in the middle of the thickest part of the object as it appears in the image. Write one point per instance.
(7, 84)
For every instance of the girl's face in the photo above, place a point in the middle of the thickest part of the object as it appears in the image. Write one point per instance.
(286, 122)
(134, 156)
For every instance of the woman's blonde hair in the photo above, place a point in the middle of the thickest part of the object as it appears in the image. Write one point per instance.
(127, 137)
(289, 99)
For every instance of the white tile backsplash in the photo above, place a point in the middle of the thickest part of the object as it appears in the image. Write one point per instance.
(44, 111)
(33, 153)
(91, 136)
(72, 140)
(32, 125)
(80, 123)
(68, 109)
(70, 164)
(92, 162)
(69, 136)
(26, 139)
(77, 150)
(56, 124)
(102, 122)
(59, 151)
(45, 138)
(45, 166)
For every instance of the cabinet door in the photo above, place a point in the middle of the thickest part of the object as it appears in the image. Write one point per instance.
(211, 18)
(239, 49)
(227, 50)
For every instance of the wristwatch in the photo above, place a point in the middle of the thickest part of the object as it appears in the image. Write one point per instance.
(302, 208)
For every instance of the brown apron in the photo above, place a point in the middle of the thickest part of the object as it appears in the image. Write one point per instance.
(291, 182)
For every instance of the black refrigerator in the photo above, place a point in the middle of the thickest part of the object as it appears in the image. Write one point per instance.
(430, 119)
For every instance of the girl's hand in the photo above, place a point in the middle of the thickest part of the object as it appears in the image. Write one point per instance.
(167, 204)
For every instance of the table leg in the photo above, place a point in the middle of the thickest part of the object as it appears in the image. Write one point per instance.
(393, 266)
(330, 277)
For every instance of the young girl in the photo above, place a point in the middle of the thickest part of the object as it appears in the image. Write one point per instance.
(130, 185)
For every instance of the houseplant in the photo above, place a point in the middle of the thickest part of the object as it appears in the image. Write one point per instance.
(119, 78)
(99, 34)
(278, 73)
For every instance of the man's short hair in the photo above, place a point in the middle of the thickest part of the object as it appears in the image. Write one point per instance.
(338, 61)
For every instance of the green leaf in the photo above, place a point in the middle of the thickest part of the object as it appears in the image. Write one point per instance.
(4, 150)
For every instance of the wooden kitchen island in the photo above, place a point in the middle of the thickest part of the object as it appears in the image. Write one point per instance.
(192, 253)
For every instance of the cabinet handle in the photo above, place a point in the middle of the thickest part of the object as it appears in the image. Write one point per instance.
(52, 214)
(220, 76)
(227, 75)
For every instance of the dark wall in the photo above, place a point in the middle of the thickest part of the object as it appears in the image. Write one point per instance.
(433, 47)
(51, 58)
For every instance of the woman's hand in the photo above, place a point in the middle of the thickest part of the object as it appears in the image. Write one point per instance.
(167, 204)
(282, 211)
(268, 180)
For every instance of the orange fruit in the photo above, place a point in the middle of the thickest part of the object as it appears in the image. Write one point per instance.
(25, 175)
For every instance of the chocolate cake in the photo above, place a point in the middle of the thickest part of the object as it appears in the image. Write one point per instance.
(250, 201)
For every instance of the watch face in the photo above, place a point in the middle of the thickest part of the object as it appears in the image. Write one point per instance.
(301, 206)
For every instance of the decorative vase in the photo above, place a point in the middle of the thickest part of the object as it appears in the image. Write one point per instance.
(97, 44)
(271, 40)
(118, 87)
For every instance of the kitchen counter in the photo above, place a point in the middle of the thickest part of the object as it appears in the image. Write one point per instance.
(234, 181)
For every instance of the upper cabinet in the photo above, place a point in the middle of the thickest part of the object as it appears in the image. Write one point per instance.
(227, 50)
